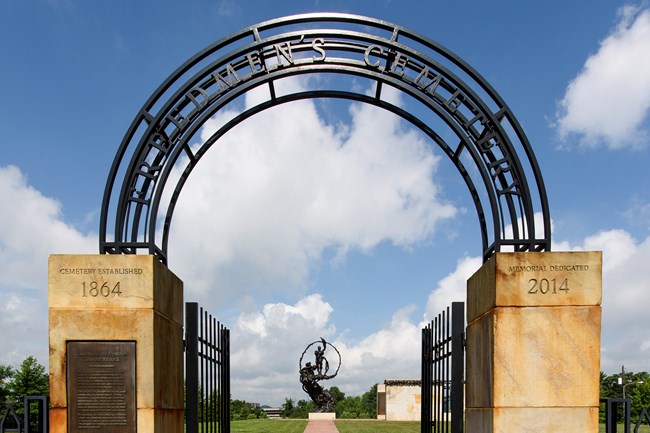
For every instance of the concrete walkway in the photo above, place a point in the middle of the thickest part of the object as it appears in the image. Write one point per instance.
(319, 426)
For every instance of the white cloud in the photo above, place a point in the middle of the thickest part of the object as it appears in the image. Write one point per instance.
(267, 347)
(267, 342)
(638, 212)
(608, 102)
(257, 215)
(261, 212)
(626, 295)
(23, 320)
(645, 345)
(453, 287)
(227, 8)
(393, 352)
(31, 228)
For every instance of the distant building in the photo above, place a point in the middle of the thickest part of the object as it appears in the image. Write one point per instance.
(272, 412)
(400, 400)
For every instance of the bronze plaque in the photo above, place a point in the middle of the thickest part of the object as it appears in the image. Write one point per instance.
(101, 386)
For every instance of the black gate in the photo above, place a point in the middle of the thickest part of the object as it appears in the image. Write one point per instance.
(443, 364)
(207, 372)
(35, 418)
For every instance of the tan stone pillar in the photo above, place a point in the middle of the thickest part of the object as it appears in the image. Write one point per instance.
(533, 343)
(130, 300)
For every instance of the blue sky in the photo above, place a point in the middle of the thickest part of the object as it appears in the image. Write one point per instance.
(74, 74)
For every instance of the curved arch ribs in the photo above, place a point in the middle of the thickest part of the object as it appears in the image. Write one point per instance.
(489, 149)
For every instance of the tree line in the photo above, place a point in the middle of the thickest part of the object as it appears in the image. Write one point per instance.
(15, 383)
(241, 410)
(364, 406)
(637, 389)
(30, 378)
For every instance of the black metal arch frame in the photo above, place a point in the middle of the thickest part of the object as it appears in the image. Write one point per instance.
(487, 138)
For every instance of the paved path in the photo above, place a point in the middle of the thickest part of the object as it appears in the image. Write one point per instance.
(319, 426)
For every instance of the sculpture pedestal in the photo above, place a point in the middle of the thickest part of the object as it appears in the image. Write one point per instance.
(116, 344)
(533, 343)
(322, 416)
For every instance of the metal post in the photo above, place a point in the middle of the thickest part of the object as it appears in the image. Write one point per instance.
(42, 421)
(611, 414)
(457, 366)
(631, 383)
(226, 376)
(425, 402)
(435, 329)
(191, 367)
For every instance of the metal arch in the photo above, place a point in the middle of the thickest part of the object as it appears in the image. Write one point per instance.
(314, 95)
(262, 54)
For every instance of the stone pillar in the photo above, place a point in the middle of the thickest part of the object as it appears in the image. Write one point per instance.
(129, 301)
(533, 343)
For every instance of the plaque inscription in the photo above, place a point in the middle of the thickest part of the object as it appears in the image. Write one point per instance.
(101, 386)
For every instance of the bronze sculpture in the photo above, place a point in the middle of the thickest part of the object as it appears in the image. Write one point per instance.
(311, 374)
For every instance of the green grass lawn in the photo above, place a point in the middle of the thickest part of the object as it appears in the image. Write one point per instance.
(414, 427)
(350, 426)
(268, 426)
(643, 429)
(344, 426)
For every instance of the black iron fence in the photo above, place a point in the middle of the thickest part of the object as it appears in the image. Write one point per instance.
(618, 414)
(614, 406)
(207, 372)
(34, 419)
(443, 365)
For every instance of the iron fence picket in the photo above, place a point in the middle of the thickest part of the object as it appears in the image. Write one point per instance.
(443, 359)
(207, 359)
(9, 421)
(457, 397)
(425, 410)
(225, 373)
(191, 368)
